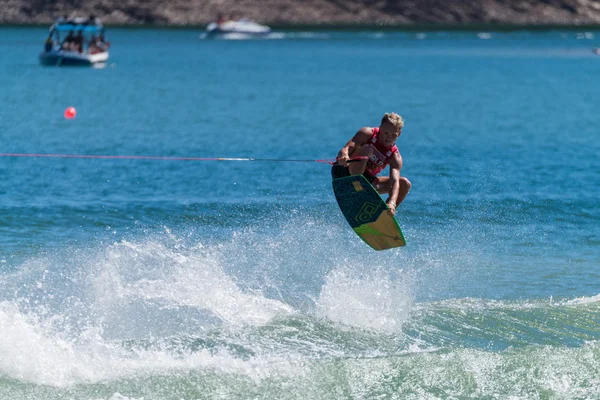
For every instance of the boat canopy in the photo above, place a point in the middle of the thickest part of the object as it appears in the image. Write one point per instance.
(76, 25)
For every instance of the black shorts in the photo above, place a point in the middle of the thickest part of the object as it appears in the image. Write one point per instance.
(339, 171)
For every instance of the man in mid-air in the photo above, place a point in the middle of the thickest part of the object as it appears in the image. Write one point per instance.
(378, 145)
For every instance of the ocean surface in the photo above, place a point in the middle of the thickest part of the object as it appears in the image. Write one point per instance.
(134, 278)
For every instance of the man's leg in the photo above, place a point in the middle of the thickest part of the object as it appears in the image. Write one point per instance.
(382, 185)
(338, 171)
(358, 167)
(405, 186)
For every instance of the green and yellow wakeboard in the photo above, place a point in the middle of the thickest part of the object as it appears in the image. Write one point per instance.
(366, 212)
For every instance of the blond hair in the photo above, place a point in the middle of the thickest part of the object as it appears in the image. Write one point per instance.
(394, 119)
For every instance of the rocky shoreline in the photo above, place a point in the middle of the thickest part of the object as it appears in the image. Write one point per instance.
(384, 13)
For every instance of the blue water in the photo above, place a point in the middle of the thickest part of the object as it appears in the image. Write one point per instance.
(158, 279)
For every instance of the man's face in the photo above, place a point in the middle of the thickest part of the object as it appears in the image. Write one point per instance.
(388, 134)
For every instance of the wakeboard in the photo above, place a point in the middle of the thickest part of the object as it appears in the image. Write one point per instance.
(366, 212)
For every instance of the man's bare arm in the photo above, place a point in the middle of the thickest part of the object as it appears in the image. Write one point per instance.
(394, 182)
(361, 137)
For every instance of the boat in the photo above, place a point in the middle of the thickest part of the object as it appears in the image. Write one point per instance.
(240, 27)
(83, 44)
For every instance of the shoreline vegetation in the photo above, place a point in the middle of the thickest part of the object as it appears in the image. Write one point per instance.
(398, 15)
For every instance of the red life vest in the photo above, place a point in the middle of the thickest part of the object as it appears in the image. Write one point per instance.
(381, 155)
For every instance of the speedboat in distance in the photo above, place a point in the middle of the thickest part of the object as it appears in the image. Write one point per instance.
(83, 43)
(241, 27)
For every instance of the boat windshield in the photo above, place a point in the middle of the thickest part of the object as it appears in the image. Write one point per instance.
(80, 35)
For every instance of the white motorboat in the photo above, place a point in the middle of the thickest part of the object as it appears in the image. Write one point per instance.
(241, 26)
(83, 45)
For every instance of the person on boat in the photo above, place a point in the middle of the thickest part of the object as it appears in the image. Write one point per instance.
(91, 20)
(101, 42)
(221, 19)
(378, 145)
(67, 44)
(78, 42)
(93, 45)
